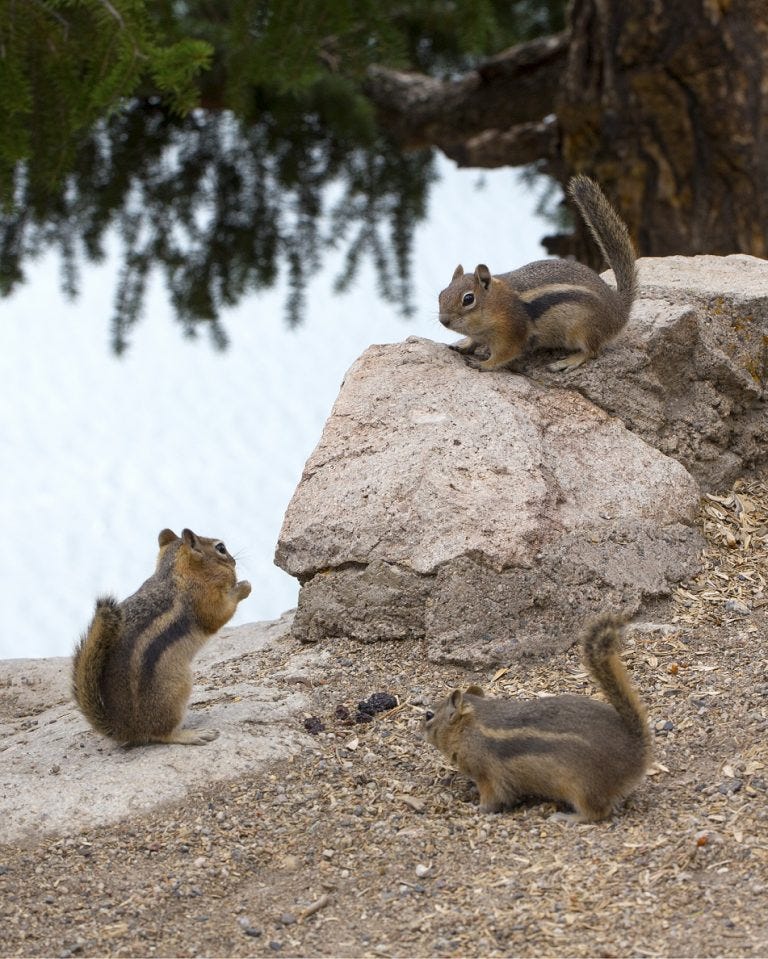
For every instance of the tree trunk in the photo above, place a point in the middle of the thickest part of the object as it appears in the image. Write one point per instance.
(665, 104)
(670, 111)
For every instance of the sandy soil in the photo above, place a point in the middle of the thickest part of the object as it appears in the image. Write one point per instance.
(367, 844)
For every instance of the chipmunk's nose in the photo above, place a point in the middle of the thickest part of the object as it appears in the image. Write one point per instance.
(445, 320)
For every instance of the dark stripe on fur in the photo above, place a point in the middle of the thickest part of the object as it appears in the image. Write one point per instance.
(143, 610)
(511, 746)
(174, 632)
(538, 307)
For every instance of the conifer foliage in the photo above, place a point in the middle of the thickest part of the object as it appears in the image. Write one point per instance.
(64, 64)
(205, 136)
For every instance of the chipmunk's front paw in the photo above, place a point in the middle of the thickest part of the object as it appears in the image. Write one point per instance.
(476, 364)
(486, 365)
(243, 589)
(464, 346)
(572, 818)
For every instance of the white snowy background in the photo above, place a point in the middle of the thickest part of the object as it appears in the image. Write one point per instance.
(98, 454)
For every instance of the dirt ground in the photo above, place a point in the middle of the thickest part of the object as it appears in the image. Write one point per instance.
(367, 844)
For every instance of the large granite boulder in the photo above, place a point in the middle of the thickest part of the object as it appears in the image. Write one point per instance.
(483, 511)
(491, 513)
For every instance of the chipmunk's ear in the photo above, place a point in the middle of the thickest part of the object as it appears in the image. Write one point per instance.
(165, 537)
(459, 271)
(456, 705)
(192, 541)
(474, 691)
(483, 275)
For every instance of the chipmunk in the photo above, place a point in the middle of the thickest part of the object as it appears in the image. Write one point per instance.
(564, 748)
(131, 672)
(547, 303)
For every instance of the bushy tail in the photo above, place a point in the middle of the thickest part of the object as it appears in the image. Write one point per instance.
(89, 659)
(602, 647)
(611, 235)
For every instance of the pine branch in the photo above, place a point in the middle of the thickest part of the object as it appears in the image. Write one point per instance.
(517, 86)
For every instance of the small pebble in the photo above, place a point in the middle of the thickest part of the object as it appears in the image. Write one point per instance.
(422, 871)
(734, 606)
(287, 919)
(730, 786)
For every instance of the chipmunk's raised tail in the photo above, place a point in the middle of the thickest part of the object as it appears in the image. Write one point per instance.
(89, 659)
(602, 648)
(611, 235)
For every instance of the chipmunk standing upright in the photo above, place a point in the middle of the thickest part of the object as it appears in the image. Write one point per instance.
(547, 303)
(131, 672)
(566, 748)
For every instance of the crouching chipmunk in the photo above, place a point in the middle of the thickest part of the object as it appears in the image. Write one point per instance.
(547, 303)
(564, 748)
(131, 673)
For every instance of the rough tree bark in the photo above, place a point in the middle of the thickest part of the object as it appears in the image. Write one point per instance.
(665, 104)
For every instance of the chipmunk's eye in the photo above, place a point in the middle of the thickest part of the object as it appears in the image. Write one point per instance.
(221, 548)
(429, 715)
(468, 299)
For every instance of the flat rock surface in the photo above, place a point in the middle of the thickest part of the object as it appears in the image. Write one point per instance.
(739, 278)
(363, 842)
(57, 775)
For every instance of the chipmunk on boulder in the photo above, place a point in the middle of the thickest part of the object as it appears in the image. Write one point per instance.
(547, 303)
